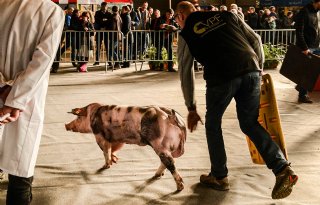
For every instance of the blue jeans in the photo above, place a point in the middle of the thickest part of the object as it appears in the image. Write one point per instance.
(246, 92)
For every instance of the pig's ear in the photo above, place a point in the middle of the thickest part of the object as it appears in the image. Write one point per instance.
(79, 111)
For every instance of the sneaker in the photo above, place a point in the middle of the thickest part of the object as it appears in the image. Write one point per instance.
(284, 183)
(304, 99)
(213, 182)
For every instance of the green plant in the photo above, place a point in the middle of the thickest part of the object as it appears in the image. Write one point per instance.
(273, 55)
(151, 52)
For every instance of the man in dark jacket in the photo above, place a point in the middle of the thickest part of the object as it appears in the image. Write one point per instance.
(102, 23)
(232, 69)
(308, 37)
(252, 18)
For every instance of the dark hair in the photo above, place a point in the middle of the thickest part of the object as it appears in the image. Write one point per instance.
(130, 6)
(170, 11)
(84, 14)
(104, 4)
(75, 12)
(115, 9)
(316, 1)
(210, 7)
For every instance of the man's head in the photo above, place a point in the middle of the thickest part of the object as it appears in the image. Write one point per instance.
(223, 8)
(103, 6)
(115, 9)
(184, 9)
(144, 5)
(252, 9)
(234, 6)
(150, 9)
(316, 4)
(272, 9)
(70, 10)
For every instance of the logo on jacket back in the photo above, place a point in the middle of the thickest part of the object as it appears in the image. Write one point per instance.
(212, 23)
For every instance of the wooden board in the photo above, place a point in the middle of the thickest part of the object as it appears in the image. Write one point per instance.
(269, 118)
(301, 69)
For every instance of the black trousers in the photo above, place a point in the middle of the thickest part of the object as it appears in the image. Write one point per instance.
(19, 190)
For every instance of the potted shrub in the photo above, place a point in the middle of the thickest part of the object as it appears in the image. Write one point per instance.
(274, 54)
(152, 52)
(164, 55)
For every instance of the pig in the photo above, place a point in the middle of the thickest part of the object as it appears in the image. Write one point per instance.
(113, 126)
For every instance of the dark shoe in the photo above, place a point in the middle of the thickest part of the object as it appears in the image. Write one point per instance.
(96, 63)
(213, 182)
(74, 64)
(284, 183)
(54, 70)
(172, 70)
(305, 99)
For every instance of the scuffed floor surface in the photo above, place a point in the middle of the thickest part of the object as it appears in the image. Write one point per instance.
(68, 163)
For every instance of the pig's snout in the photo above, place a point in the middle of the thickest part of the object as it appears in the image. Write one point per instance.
(68, 127)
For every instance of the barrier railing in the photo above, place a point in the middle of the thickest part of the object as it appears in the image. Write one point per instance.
(158, 47)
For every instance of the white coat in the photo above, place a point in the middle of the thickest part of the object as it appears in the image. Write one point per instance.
(29, 38)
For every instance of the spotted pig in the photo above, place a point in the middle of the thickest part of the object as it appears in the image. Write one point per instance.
(113, 126)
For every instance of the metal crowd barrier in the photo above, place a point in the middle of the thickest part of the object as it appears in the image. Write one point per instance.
(138, 46)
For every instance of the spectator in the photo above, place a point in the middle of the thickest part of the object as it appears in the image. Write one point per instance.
(273, 12)
(252, 18)
(308, 38)
(155, 38)
(134, 17)
(68, 37)
(143, 37)
(55, 65)
(235, 9)
(115, 37)
(260, 19)
(268, 20)
(75, 25)
(223, 8)
(126, 30)
(24, 77)
(102, 23)
(135, 21)
(86, 45)
(169, 25)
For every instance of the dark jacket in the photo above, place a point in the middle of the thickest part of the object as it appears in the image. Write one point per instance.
(307, 28)
(135, 21)
(253, 20)
(116, 25)
(224, 44)
(126, 23)
(102, 20)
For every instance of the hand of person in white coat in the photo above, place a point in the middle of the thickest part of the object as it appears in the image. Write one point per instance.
(14, 114)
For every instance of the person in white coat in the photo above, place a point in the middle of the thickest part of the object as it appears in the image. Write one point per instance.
(29, 38)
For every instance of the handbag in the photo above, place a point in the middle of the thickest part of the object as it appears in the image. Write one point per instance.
(300, 68)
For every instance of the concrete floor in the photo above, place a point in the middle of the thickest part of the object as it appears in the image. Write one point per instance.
(67, 164)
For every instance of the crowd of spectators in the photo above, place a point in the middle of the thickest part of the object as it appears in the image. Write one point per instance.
(124, 20)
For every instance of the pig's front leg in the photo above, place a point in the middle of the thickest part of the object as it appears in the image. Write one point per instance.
(160, 172)
(107, 152)
(106, 147)
(168, 161)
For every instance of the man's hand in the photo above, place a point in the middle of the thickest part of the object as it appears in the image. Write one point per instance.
(14, 114)
(193, 119)
(306, 52)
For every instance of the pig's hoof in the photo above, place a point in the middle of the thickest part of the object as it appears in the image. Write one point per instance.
(114, 158)
(106, 166)
(180, 186)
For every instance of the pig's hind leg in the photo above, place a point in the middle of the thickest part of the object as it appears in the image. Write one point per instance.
(115, 147)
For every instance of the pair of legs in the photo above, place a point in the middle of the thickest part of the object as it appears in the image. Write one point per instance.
(246, 92)
(19, 190)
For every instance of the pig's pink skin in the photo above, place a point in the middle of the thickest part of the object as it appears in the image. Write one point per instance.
(161, 128)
